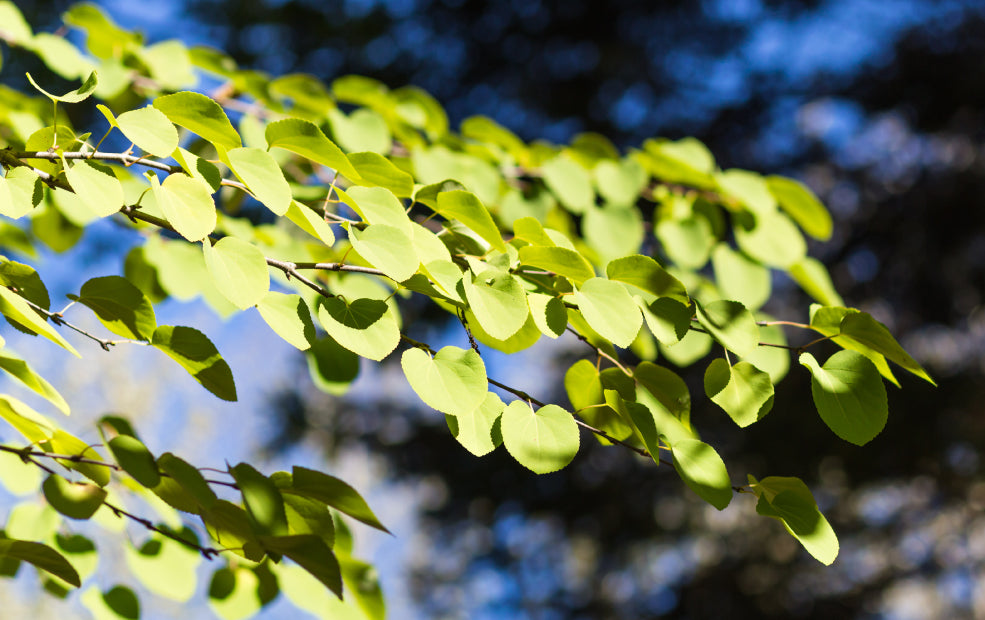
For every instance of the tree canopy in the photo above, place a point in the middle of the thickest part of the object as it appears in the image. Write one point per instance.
(331, 207)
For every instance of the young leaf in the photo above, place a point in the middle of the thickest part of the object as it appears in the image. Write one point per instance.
(378, 205)
(609, 309)
(374, 169)
(865, 330)
(96, 186)
(645, 274)
(388, 249)
(570, 182)
(165, 567)
(195, 353)
(190, 488)
(312, 554)
(468, 209)
(477, 430)
(543, 441)
(289, 316)
(740, 278)
(730, 324)
(791, 502)
(20, 192)
(120, 306)
(549, 314)
(187, 204)
(200, 114)
(150, 130)
(75, 96)
(498, 301)
(743, 391)
(117, 603)
(773, 240)
(332, 367)
(21, 371)
(75, 501)
(62, 442)
(849, 395)
(803, 206)
(562, 261)
(813, 277)
(332, 492)
(365, 326)
(15, 308)
(238, 270)
(307, 140)
(261, 174)
(704, 471)
(453, 381)
(135, 459)
(41, 556)
(262, 500)
(310, 222)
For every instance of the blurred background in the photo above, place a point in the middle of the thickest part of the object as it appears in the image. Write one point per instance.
(878, 105)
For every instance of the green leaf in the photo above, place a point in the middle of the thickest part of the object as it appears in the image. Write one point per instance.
(668, 319)
(96, 186)
(184, 487)
(75, 96)
(238, 270)
(76, 501)
(150, 130)
(730, 324)
(498, 301)
(332, 367)
(165, 567)
(740, 278)
(21, 371)
(583, 385)
(453, 381)
(827, 321)
(743, 391)
(42, 556)
(14, 27)
(307, 140)
(388, 249)
(610, 311)
(363, 130)
(374, 169)
(135, 459)
(865, 330)
(199, 168)
(704, 471)
(468, 209)
(543, 441)
(802, 205)
(310, 222)
(791, 502)
(233, 593)
(748, 188)
(686, 161)
(62, 442)
(20, 191)
(612, 231)
(849, 395)
(333, 492)
(620, 183)
(289, 317)
(312, 554)
(187, 204)
(120, 306)
(571, 183)
(378, 205)
(477, 430)
(562, 261)
(772, 240)
(117, 603)
(365, 326)
(262, 500)
(667, 387)
(15, 308)
(642, 422)
(688, 241)
(261, 174)
(549, 314)
(200, 114)
(645, 274)
(813, 277)
(195, 353)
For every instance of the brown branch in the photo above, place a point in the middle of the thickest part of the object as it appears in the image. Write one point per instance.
(207, 552)
(58, 319)
(123, 158)
(600, 352)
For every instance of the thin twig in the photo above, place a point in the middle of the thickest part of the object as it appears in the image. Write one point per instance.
(58, 319)
(207, 552)
(601, 353)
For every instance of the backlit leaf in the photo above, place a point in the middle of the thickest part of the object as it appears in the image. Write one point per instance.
(187, 204)
(387, 248)
(375, 170)
(120, 306)
(238, 270)
(475, 430)
(195, 353)
(802, 205)
(849, 395)
(201, 115)
(468, 209)
(76, 501)
(20, 370)
(543, 441)
(259, 171)
(742, 390)
(703, 471)
(791, 502)
(289, 317)
(731, 324)
(498, 301)
(562, 261)
(307, 140)
(610, 310)
(332, 492)
(453, 381)
(150, 130)
(96, 185)
(644, 273)
(20, 192)
(364, 326)
(262, 500)
(570, 182)
(42, 556)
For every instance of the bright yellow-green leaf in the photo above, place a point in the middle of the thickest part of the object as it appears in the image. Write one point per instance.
(739, 278)
(20, 191)
(289, 316)
(453, 381)
(731, 324)
(645, 274)
(364, 326)
(20, 370)
(363, 130)
(75, 96)
(13, 25)
(849, 395)
(196, 354)
(475, 430)
(375, 170)
(802, 205)
(773, 240)
(96, 186)
(76, 501)
(387, 248)
(16, 308)
(498, 301)
(378, 205)
(165, 567)
(609, 309)
(238, 269)
(201, 115)
(307, 140)
(791, 502)
(187, 204)
(549, 314)
(468, 209)
(742, 390)
(865, 330)
(333, 492)
(571, 183)
(543, 441)
(813, 277)
(120, 306)
(704, 471)
(562, 261)
(150, 130)
(310, 222)
(620, 182)
(748, 188)
(259, 171)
